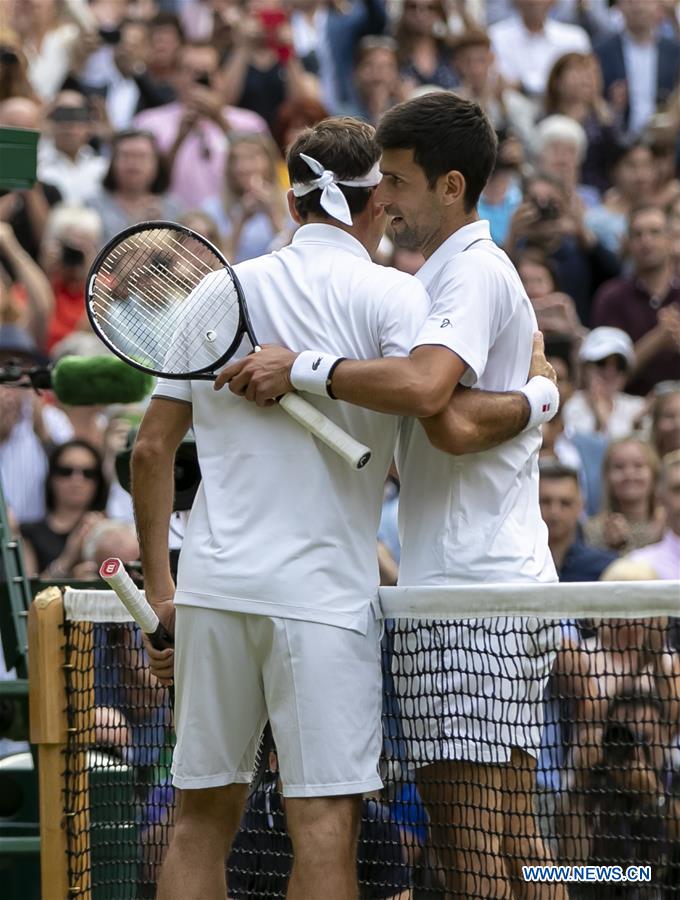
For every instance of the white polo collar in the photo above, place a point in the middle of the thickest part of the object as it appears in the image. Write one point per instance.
(451, 247)
(330, 235)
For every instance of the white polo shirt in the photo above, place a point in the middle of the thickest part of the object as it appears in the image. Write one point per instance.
(526, 56)
(474, 518)
(281, 526)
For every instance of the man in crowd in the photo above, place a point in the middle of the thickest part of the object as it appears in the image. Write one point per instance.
(561, 509)
(646, 303)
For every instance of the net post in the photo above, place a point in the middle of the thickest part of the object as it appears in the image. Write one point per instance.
(80, 665)
(48, 730)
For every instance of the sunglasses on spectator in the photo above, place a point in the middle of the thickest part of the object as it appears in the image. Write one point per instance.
(91, 473)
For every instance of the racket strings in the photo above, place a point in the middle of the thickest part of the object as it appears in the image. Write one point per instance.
(157, 303)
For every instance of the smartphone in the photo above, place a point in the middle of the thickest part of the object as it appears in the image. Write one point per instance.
(272, 20)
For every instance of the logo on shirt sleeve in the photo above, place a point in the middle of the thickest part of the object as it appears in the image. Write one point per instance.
(446, 323)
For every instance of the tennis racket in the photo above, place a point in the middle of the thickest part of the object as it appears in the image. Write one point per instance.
(113, 572)
(166, 301)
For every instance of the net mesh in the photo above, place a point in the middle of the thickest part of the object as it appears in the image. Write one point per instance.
(165, 301)
(564, 734)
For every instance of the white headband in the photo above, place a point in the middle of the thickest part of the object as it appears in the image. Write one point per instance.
(333, 201)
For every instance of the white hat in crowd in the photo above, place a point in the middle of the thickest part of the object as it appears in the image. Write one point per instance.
(606, 341)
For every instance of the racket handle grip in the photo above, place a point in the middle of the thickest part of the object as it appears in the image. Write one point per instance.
(113, 572)
(356, 454)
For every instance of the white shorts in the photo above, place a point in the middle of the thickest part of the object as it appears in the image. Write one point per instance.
(472, 690)
(319, 685)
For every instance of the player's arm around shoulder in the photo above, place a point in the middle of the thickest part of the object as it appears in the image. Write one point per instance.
(475, 420)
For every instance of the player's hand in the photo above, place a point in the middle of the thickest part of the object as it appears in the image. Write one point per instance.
(260, 377)
(162, 662)
(539, 364)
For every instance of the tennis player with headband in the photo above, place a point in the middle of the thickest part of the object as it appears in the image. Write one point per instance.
(464, 519)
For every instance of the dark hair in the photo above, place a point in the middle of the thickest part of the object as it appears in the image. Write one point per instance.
(562, 346)
(101, 493)
(550, 470)
(552, 100)
(445, 133)
(167, 20)
(344, 145)
(161, 182)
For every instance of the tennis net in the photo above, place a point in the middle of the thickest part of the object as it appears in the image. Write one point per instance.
(524, 727)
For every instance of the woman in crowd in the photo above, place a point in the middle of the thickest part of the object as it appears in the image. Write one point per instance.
(630, 517)
(251, 215)
(555, 310)
(75, 495)
(424, 54)
(134, 188)
(574, 89)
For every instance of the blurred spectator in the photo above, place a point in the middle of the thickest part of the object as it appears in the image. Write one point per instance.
(664, 557)
(65, 158)
(559, 146)
(424, 54)
(510, 112)
(632, 176)
(502, 193)
(553, 220)
(663, 139)
(639, 69)
(376, 81)
(26, 210)
(561, 507)
(291, 119)
(674, 226)
(26, 298)
(646, 304)
(326, 36)
(193, 130)
(251, 215)
(666, 417)
(72, 238)
(630, 517)
(75, 496)
(165, 43)
(202, 223)
(135, 187)
(527, 43)
(606, 357)
(29, 429)
(14, 81)
(555, 311)
(107, 538)
(53, 39)
(262, 70)
(574, 89)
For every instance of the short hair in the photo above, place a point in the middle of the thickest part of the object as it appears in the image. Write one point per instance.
(166, 20)
(161, 182)
(560, 128)
(372, 42)
(345, 146)
(445, 133)
(643, 208)
(101, 493)
(552, 470)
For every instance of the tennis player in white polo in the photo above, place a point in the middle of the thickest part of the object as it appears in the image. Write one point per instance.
(463, 519)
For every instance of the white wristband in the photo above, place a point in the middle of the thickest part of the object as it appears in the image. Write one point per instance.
(311, 372)
(544, 400)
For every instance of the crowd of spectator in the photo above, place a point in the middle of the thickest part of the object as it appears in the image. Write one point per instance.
(183, 110)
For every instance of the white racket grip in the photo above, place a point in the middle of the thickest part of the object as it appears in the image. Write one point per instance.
(356, 454)
(113, 572)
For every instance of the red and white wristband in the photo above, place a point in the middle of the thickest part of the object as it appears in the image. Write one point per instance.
(312, 372)
(544, 400)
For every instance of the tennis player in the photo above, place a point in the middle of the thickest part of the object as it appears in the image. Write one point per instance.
(463, 519)
(276, 593)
